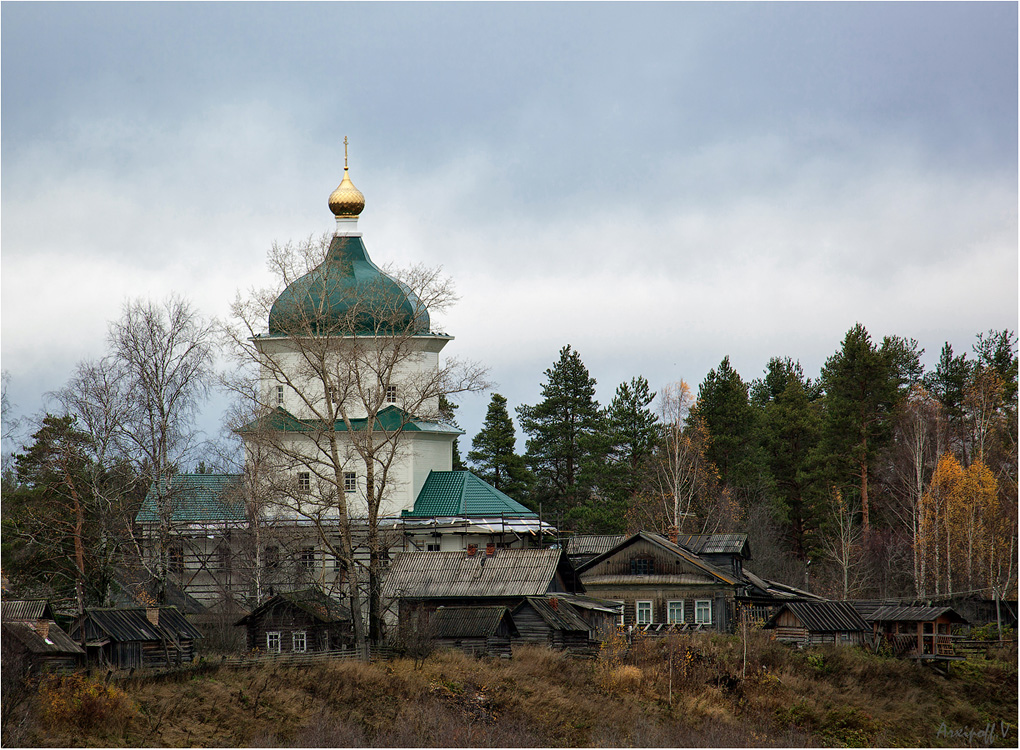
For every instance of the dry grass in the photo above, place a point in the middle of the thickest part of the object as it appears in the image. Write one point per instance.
(682, 692)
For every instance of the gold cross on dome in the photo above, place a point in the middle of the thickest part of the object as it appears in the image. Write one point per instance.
(345, 152)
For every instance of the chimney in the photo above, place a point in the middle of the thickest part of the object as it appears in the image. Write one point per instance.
(674, 534)
(472, 549)
(42, 627)
(490, 549)
(152, 615)
(554, 603)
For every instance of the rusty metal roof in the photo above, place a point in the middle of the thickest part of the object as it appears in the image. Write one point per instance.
(25, 609)
(914, 614)
(56, 641)
(470, 622)
(823, 617)
(507, 572)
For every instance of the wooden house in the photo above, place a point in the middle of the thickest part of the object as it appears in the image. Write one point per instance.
(29, 630)
(916, 632)
(475, 630)
(552, 621)
(298, 622)
(137, 637)
(660, 582)
(814, 623)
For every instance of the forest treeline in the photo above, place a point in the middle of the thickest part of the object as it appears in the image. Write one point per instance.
(874, 479)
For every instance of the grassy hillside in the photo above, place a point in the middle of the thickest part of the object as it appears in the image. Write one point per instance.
(710, 697)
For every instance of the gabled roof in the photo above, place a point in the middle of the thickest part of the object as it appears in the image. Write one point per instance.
(470, 622)
(25, 609)
(777, 590)
(388, 419)
(133, 625)
(461, 493)
(311, 601)
(28, 634)
(667, 546)
(448, 575)
(823, 617)
(914, 614)
(588, 546)
(197, 498)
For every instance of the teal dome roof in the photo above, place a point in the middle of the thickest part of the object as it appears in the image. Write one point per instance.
(347, 293)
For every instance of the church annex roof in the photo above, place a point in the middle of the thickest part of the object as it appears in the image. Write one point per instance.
(388, 419)
(197, 498)
(461, 493)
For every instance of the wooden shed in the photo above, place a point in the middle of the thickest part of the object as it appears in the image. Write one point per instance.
(298, 622)
(552, 621)
(137, 637)
(30, 631)
(916, 632)
(813, 623)
(475, 630)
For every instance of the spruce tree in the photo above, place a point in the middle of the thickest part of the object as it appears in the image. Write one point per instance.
(560, 430)
(493, 456)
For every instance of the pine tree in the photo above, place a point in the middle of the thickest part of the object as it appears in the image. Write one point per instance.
(631, 432)
(560, 430)
(493, 456)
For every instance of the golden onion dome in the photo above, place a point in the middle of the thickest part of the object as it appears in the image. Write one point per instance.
(346, 200)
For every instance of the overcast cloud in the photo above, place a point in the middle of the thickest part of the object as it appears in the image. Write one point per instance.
(658, 185)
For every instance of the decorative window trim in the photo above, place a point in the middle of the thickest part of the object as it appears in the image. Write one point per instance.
(700, 605)
(638, 609)
(273, 641)
(671, 607)
(299, 642)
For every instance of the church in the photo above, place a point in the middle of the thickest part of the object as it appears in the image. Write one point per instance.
(349, 424)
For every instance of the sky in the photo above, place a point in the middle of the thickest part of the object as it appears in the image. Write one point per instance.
(657, 185)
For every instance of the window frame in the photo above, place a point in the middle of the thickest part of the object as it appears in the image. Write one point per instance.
(271, 637)
(304, 481)
(642, 566)
(390, 396)
(699, 605)
(296, 637)
(621, 619)
(271, 557)
(669, 611)
(350, 481)
(308, 557)
(638, 610)
(279, 395)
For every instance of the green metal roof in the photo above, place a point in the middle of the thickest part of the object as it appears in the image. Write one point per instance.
(196, 498)
(389, 419)
(461, 493)
(347, 293)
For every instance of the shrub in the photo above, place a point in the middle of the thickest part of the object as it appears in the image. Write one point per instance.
(75, 702)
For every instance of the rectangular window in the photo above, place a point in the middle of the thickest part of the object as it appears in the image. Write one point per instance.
(640, 566)
(273, 642)
(432, 547)
(703, 611)
(279, 395)
(334, 394)
(299, 642)
(391, 394)
(643, 613)
(272, 558)
(308, 557)
(176, 555)
(350, 481)
(304, 481)
(675, 612)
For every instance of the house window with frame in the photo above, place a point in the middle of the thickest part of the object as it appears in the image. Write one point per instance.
(643, 613)
(307, 558)
(675, 612)
(299, 642)
(432, 546)
(391, 394)
(304, 481)
(176, 557)
(641, 566)
(623, 609)
(703, 611)
(273, 642)
(350, 481)
(272, 558)
(334, 394)
(279, 395)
